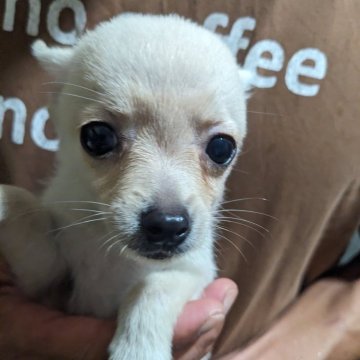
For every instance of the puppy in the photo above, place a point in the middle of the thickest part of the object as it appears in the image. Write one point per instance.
(150, 114)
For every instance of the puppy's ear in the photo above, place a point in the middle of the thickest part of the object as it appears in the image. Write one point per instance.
(54, 60)
(246, 77)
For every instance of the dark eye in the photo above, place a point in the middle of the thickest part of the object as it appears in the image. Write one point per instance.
(221, 149)
(98, 138)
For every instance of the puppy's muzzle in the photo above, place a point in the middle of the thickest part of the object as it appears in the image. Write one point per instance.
(162, 232)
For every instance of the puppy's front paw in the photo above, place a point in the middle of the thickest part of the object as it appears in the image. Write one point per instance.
(16, 202)
(121, 350)
(24, 242)
(206, 357)
(3, 201)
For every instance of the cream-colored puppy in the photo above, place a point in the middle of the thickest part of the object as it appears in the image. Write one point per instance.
(151, 115)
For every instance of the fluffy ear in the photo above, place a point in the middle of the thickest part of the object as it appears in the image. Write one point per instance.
(54, 60)
(246, 77)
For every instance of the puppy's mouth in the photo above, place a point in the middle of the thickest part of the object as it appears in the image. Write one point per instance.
(155, 251)
(158, 255)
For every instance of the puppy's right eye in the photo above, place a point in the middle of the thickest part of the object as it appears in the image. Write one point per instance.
(98, 138)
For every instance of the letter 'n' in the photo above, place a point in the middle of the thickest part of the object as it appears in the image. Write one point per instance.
(32, 27)
(19, 110)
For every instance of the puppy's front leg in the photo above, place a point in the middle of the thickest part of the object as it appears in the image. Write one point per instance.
(146, 322)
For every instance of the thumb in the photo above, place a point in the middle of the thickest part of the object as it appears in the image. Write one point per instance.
(198, 315)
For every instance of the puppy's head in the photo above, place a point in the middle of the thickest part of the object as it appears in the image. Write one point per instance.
(151, 116)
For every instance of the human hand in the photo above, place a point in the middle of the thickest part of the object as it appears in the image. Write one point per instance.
(202, 320)
(323, 324)
(30, 331)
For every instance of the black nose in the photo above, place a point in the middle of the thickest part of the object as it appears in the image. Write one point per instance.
(165, 228)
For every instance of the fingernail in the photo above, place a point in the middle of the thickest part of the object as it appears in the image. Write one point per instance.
(211, 322)
(229, 299)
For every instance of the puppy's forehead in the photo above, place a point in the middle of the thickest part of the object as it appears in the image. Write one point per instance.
(144, 48)
(163, 53)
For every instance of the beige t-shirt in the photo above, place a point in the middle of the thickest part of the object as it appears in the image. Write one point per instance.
(301, 152)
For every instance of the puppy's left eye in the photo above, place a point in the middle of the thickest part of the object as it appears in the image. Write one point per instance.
(221, 149)
(98, 138)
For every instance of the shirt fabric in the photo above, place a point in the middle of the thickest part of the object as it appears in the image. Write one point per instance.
(301, 153)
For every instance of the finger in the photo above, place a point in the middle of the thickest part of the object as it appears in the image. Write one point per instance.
(198, 315)
(232, 356)
(204, 344)
(223, 290)
(37, 331)
(217, 298)
(195, 316)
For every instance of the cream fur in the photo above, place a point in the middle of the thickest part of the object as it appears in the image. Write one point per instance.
(167, 85)
(3, 209)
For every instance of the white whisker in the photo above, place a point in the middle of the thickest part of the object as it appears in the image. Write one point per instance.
(251, 222)
(92, 210)
(243, 199)
(75, 95)
(234, 233)
(240, 171)
(235, 246)
(123, 249)
(77, 224)
(263, 113)
(109, 240)
(247, 211)
(112, 245)
(104, 236)
(236, 221)
(80, 201)
(71, 84)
